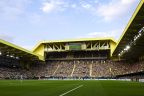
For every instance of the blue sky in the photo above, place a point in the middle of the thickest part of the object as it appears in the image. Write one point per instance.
(25, 22)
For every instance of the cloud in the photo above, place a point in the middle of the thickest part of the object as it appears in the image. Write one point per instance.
(53, 5)
(112, 33)
(114, 9)
(10, 9)
(48, 7)
(73, 6)
(86, 5)
(109, 10)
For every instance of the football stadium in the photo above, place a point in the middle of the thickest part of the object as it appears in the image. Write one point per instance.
(77, 67)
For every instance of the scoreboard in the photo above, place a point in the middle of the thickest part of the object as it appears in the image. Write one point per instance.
(74, 46)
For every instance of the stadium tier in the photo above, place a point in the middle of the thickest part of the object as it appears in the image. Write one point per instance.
(79, 58)
(92, 48)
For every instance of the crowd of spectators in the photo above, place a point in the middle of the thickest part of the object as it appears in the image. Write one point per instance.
(73, 68)
(14, 73)
(87, 68)
(82, 69)
(64, 69)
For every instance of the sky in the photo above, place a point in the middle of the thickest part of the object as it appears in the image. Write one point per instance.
(25, 22)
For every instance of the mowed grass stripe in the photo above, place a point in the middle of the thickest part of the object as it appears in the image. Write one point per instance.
(35, 88)
(57, 87)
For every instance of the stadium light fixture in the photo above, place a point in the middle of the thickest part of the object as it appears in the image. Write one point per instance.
(119, 54)
(127, 47)
(11, 56)
(139, 34)
(17, 57)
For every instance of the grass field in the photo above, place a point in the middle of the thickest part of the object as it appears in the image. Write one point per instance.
(70, 88)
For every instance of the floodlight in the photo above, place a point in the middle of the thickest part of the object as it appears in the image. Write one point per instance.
(127, 47)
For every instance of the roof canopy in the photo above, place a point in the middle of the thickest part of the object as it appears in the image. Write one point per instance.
(132, 29)
(73, 40)
(14, 51)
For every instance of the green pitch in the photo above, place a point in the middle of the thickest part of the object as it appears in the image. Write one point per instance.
(70, 88)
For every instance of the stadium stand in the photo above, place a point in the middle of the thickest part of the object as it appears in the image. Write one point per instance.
(90, 58)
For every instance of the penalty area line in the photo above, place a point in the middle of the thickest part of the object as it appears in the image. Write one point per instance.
(71, 90)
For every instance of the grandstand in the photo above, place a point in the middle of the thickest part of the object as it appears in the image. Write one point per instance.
(79, 58)
(87, 58)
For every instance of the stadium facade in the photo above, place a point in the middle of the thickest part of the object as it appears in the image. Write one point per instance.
(87, 57)
(71, 47)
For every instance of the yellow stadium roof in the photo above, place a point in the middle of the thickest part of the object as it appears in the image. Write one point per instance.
(134, 25)
(12, 49)
(73, 40)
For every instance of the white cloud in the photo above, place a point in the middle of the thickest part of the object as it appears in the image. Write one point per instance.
(48, 7)
(53, 5)
(86, 5)
(110, 10)
(128, 1)
(114, 9)
(73, 5)
(10, 9)
(111, 33)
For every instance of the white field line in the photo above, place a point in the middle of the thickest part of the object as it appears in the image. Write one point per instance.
(71, 90)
